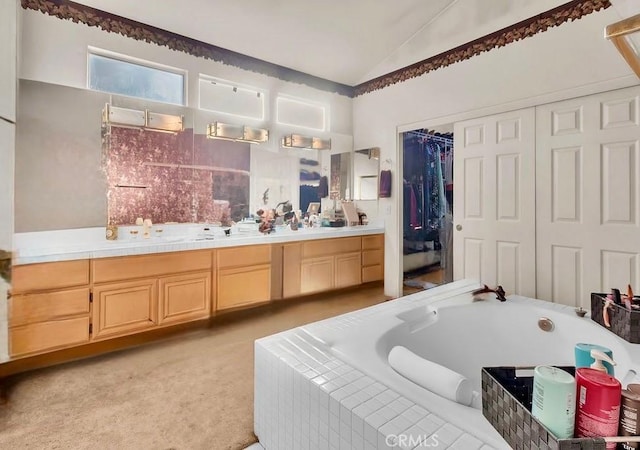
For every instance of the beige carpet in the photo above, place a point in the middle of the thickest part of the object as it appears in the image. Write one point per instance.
(192, 391)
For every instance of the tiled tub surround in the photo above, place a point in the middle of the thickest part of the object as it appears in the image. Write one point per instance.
(86, 243)
(328, 385)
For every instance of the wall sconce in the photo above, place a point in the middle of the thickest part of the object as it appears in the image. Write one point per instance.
(618, 33)
(146, 120)
(308, 142)
(239, 133)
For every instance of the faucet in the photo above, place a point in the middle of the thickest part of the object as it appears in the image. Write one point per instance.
(500, 293)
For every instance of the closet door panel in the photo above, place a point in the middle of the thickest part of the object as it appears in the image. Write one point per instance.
(588, 195)
(494, 201)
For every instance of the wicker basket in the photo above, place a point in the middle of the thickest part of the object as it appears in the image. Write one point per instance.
(625, 323)
(506, 404)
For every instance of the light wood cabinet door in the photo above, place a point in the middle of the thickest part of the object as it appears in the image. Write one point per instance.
(348, 270)
(182, 298)
(124, 308)
(317, 275)
(48, 336)
(243, 286)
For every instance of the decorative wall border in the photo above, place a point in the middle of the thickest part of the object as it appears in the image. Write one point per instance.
(111, 23)
(571, 11)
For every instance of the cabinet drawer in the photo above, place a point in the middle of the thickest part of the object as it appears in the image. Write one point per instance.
(184, 297)
(29, 308)
(250, 255)
(243, 286)
(324, 247)
(372, 242)
(43, 336)
(372, 273)
(372, 257)
(54, 275)
(142, 266)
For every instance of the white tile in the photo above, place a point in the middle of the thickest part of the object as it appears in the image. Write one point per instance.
(466, 442)
(334, 423)
(334, 439)
(357, 441)
(371, 425)
(448, 433)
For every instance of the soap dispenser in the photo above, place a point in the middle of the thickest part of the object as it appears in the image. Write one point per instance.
(598, 357)
(584, 359)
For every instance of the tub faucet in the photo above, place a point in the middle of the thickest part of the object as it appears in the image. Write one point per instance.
(499, 291)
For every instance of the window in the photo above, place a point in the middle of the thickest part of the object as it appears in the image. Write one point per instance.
(119, 76)
(229, 98)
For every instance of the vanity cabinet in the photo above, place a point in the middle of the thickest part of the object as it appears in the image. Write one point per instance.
(324, 264)
(59, 305)
(372, 258)
(49, 308)
(243, 276)
(137, 293)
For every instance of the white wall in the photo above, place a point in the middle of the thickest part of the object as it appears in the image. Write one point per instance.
(8, 61)
(563, 62)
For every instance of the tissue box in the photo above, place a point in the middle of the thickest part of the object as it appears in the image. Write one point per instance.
(506, 404)
(624, 322)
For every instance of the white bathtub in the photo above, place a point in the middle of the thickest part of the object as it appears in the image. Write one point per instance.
(443, 325)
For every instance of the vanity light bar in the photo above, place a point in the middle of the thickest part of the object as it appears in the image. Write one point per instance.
(145, 119)
(299, 141)
(240, 133)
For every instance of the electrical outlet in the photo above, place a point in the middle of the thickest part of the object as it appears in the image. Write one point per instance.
(387, 210)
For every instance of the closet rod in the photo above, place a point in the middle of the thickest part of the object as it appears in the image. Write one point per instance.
(433, 137)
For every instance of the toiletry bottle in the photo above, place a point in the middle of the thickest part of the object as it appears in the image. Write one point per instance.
(629, 419)
(584, 358)
(598, 404)
(554, 400)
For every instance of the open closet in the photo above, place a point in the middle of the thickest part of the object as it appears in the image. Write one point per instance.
(427, 207)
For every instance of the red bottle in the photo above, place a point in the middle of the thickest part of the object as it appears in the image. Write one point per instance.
(598, 404)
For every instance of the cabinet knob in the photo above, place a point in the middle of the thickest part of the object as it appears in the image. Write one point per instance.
(459, 227)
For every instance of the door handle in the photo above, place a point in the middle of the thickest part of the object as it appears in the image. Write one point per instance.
(459, 227)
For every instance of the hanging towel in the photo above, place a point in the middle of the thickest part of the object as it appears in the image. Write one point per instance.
(323, 187)
(385, 184)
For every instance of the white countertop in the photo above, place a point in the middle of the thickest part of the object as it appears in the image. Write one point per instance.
(86, 243)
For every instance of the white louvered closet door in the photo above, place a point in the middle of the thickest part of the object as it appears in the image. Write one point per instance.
(587, 172)
(494, 201)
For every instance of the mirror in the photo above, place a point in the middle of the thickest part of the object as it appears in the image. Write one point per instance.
(340, 176)
(366, 167)
(116, 175)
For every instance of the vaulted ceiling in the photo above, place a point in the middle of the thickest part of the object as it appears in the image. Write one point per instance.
(346, 41)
